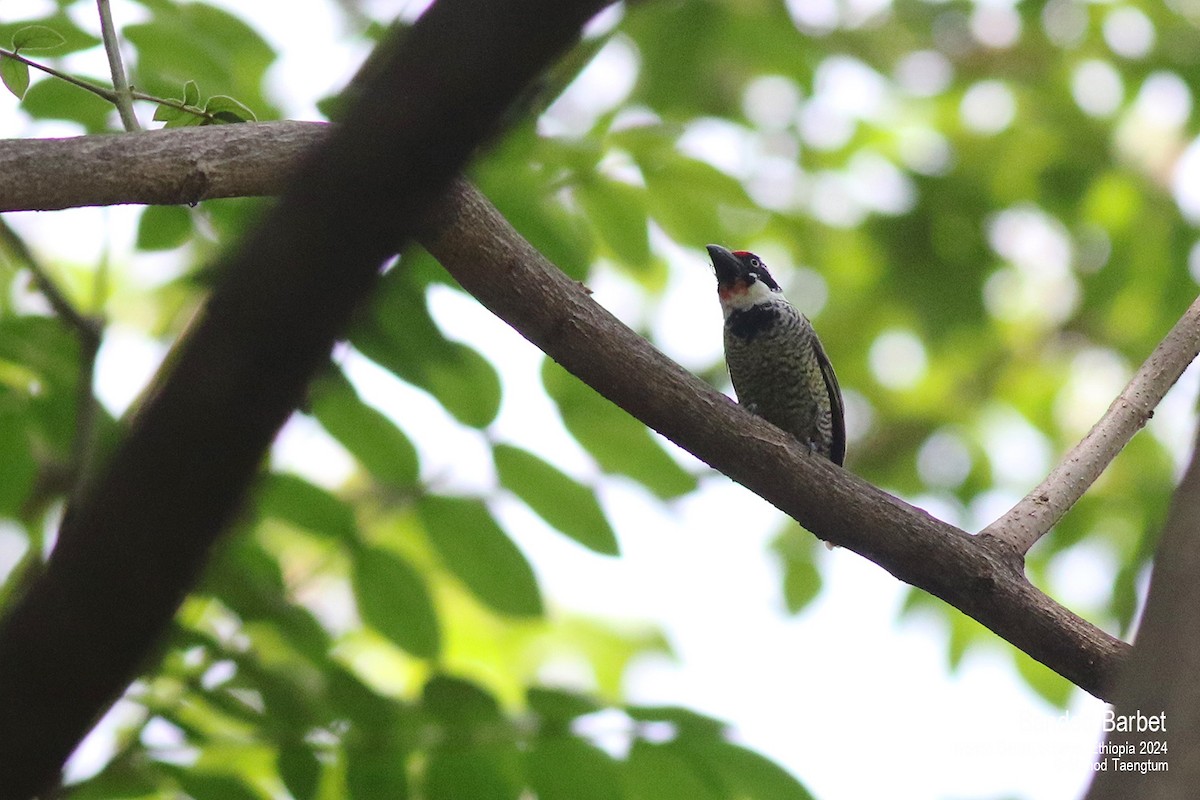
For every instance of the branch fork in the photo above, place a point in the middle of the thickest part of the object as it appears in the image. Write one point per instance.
(1033, 517)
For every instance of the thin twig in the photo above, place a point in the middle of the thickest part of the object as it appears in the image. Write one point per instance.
(89, 329)
(60, 304)
(1037, 513)
(104, 92)
(112, 46)
(94, 88)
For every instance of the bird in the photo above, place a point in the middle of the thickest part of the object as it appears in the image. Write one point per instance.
(776, 362)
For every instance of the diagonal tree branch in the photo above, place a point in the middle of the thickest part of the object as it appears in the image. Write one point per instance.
(981, 576)
(1034, 516)
(133, 545)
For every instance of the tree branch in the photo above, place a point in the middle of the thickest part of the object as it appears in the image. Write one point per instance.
(1034, 516)
(174, 166)
(132, 547)
(982, 576)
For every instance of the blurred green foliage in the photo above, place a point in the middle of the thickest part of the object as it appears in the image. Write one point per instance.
(974, 203)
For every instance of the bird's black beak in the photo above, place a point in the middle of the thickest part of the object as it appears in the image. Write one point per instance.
(726, 264)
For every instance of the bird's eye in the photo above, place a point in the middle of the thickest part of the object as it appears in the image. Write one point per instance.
(754, 262)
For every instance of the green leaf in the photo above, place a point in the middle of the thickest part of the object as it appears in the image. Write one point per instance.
(246, 577)
(744, 773)
(801, 577)
(165, 113)
(70, 37)
(164, 228)
(307, 506)
(691, 199)
(527, 197)
(464, 382)
(656, 772)
(212, 786)
(618, 210)
(374, 772)
(54, 99)
(477, 753)
(300, 770)
(557, 498)
(191, 94)
(393, 599)
(1125, 595)
(480, 553)
(290, 691)
(227, 110)
(17, 467)
(15, 75)
(187, 117)
(199, 42)
(567, 768)
(248, 581)
(372, 438)
(617, 441)
(801, 585)
(456, 772)
(688, 723)
(1053, 688)
(558, 704)
(37, 37)
(400, 335)
(371, 713)
(44, 355)
(962, 631)
(457, 701)
(125, 778)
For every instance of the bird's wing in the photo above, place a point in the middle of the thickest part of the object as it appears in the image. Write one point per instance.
(837, 446)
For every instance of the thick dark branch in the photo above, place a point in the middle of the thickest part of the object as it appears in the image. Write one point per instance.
(133, 545)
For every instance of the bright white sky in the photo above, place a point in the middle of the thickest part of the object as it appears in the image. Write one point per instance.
(852, 702)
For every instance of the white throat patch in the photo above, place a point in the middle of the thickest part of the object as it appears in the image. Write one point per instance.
(755, 294)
